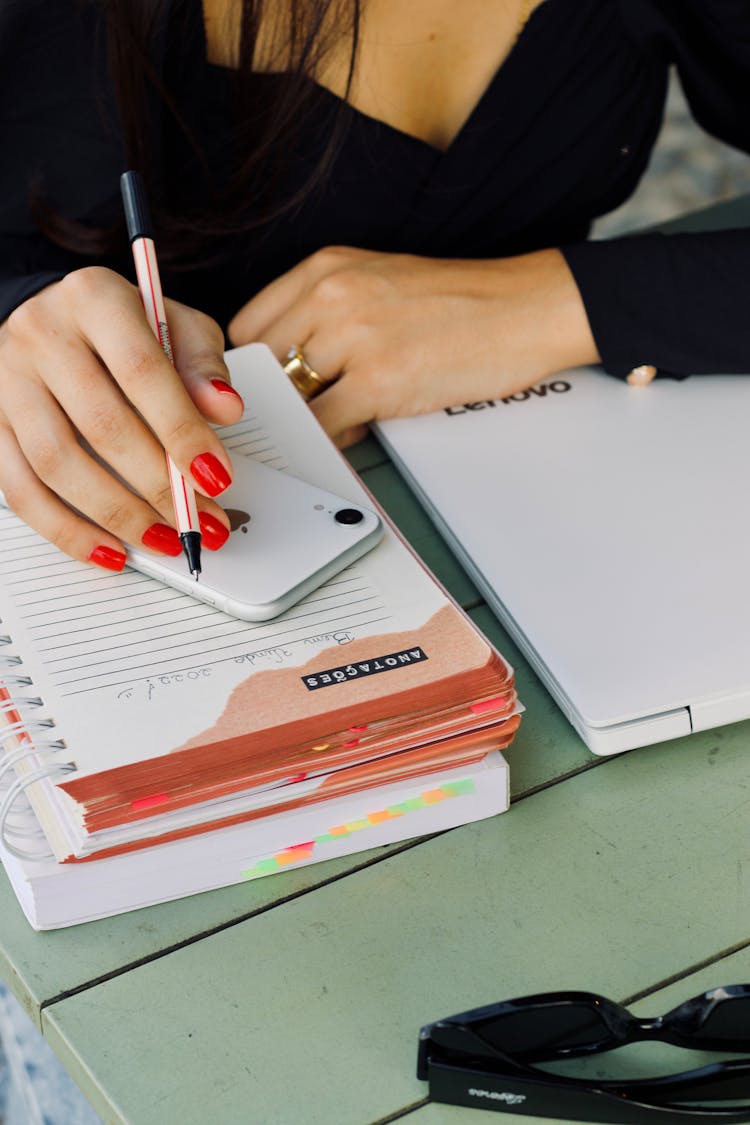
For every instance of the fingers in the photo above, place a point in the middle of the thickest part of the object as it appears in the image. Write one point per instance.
(344, 408)
(39, 507)
(79, 364)
(641, 376)
(256, 319)
(76, 481)
(110, 320)
(198, 348)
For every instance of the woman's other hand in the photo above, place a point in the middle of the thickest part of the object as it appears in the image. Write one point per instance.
(79, 361)
(395, 334)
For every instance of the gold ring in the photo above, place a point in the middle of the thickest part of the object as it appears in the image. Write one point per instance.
(307, 381)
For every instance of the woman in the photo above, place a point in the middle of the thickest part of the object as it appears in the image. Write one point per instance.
(402, 191)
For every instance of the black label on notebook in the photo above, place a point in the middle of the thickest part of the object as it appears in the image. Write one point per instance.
(361, 668)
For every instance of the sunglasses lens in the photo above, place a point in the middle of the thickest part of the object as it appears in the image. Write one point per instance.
(543, 1029)
(727, 1020)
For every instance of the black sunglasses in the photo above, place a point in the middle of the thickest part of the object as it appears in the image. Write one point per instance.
(484, 1058)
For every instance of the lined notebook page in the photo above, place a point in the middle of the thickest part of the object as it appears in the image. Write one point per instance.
(92, 630)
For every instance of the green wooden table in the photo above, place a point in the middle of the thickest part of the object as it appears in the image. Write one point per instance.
(298, 998)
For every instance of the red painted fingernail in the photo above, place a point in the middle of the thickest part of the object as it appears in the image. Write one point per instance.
(213, 531)
(225, 388)
(210, 473)
(108, 557)
(163, 538)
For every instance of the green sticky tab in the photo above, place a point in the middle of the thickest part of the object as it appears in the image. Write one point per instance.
(456, 788)
(412, 803)
(324, 839)
(265, 866)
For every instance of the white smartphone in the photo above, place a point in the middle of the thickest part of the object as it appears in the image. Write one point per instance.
(288, 537)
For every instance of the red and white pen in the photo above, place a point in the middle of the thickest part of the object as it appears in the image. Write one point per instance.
(140, 233)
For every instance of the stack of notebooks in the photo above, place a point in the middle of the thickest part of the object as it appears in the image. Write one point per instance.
(154, 747)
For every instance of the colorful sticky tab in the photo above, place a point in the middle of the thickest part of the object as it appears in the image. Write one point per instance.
(488, 705)
(411, 803)
(295, 853)
(357, 825)
(262, 867)
(380, 816)
(149, 802)
(456, 788)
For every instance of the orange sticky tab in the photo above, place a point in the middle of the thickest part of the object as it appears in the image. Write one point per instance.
(432, 796)
(380, 816)
(321, 746)
(289, 855)
(149, 802)
(338, 830)
(488, 705)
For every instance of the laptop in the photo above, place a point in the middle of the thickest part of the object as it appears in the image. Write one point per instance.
(608, 527)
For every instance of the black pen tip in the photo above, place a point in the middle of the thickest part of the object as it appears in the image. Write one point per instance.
(191, 545)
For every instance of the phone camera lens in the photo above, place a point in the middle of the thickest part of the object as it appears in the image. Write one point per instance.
(348, 515)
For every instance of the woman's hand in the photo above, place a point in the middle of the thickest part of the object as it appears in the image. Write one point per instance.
(395, 334)
(78, 360)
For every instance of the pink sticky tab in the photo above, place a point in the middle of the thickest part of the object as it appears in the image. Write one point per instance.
(350, 743)
(488, 705)
(149, 802)
(362, 726)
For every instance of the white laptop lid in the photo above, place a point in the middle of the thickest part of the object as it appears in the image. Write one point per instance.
(609, 526)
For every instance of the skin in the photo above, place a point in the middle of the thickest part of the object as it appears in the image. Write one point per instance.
(80, 358)
(390, 334)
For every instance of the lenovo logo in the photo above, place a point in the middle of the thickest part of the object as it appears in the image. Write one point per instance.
(557, 387)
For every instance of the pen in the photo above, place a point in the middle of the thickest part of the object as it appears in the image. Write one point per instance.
(138, 220)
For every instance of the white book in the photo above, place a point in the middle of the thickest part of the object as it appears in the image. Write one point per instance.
(53, 894)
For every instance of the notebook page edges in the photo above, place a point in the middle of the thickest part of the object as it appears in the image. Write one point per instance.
(53, 895)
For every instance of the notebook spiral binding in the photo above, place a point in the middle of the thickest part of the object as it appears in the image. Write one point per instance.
(37, 746)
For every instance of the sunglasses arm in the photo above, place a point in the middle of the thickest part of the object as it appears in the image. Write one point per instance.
(531, 1092)
(716, 1081)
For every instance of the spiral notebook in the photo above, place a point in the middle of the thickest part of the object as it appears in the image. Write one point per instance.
(135, 716)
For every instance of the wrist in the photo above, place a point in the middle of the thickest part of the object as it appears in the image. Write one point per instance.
(552, 316)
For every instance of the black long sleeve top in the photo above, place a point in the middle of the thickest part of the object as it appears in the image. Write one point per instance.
(561, 136)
